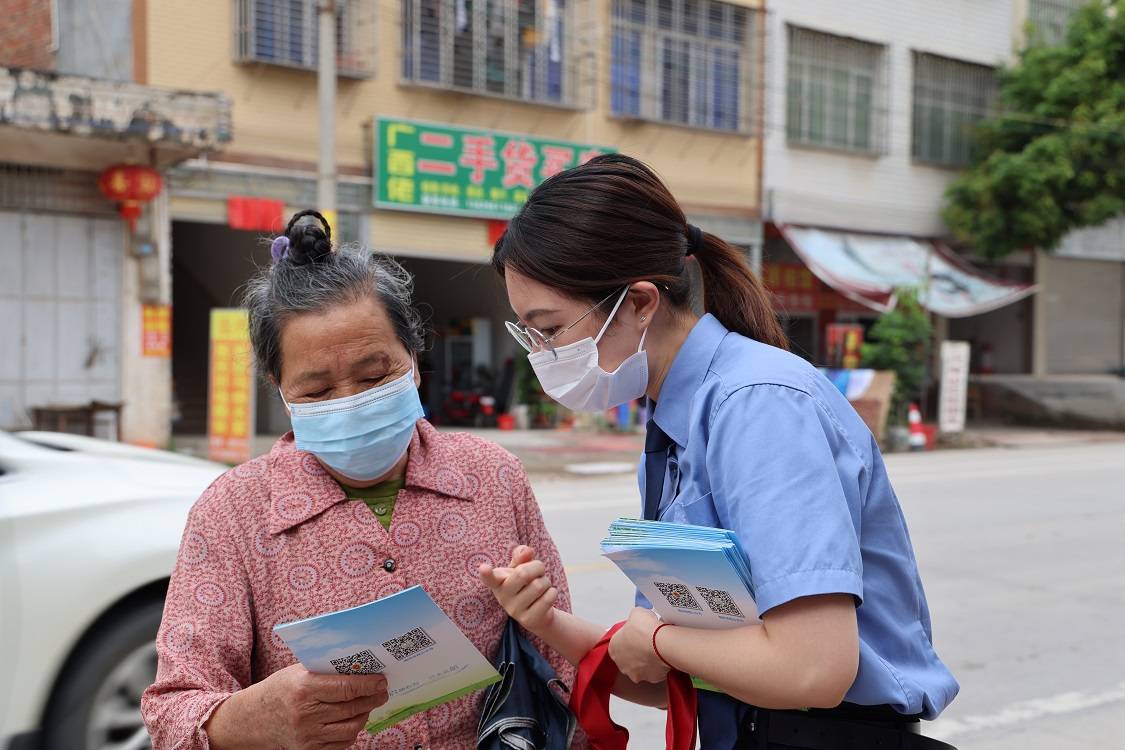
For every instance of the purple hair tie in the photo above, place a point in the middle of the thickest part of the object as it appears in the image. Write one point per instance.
(280, 248)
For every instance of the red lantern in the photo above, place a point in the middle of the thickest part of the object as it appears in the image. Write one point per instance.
(130, 185)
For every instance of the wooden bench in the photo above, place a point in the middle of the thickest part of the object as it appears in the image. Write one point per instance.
(61, 417)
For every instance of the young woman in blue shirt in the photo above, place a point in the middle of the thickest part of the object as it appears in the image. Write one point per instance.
(744, 436)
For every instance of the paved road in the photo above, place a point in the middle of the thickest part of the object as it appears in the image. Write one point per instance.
(1023, 559)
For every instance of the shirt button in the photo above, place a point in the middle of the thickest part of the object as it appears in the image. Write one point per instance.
(389, 565)
(380, 510)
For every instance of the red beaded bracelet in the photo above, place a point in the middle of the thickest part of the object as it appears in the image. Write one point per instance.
(655, 649)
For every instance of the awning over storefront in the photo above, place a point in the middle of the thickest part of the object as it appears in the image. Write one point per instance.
(868, 268)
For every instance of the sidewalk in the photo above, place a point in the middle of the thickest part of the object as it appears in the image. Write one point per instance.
(584, 452)
(1003, 436)
(580, 452)
(546, 451)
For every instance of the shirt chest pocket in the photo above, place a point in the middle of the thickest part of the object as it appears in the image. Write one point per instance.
(698, 512)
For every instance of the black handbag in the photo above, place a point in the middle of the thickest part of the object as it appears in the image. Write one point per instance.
(524, 711)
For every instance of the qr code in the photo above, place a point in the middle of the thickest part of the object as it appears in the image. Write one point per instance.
(364, 662)
(408, 644)
(678, 595)
(719, 602)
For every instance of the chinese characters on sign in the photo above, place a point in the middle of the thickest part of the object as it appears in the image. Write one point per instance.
(156, 330)
(954, 394)
(451, 170)
(793, 285)
(230, 417)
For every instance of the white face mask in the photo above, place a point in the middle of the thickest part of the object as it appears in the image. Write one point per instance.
(576, 381)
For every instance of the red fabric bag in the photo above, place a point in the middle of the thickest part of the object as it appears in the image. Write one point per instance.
(590, 702)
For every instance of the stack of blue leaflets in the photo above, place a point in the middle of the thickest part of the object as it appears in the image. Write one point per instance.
(693, 575)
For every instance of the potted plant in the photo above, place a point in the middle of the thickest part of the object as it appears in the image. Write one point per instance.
(542, 411)
(899, 341)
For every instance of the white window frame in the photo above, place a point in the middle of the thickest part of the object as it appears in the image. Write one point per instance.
(819, 59)
(962, 93)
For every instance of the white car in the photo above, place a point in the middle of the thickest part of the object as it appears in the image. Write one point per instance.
(89, 532)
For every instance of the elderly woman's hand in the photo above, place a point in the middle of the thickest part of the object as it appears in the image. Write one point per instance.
(294, 708)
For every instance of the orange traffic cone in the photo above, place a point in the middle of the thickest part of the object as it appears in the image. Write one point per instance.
(917, 434)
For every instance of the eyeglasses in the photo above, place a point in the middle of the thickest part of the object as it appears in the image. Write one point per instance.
(534, 340)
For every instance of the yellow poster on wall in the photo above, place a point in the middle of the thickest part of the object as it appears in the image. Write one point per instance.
(156, 331)
(230, 412)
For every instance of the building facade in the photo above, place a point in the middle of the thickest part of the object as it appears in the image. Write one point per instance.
(869, 116)
(1080, 313)
(870, 108)
(447, 114)
(75, 280)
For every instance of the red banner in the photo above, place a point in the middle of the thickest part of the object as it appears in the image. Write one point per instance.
(496, 229)
(255, 214)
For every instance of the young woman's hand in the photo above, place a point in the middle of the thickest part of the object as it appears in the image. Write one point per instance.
(631, 648)
(523, 590)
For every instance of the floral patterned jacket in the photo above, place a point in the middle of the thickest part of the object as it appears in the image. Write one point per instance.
(276, 540)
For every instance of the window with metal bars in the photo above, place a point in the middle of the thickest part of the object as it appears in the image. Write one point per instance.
(688, 62)
(1049, 18)
(517, 49)
(950, 98)
(837, 92)
(351, 227)
(284, 32)
(47, 189)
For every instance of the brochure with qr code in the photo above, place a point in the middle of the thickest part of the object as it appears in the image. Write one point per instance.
(405, 636)
(691, 575)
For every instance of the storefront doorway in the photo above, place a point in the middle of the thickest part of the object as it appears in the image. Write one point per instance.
(469, 355)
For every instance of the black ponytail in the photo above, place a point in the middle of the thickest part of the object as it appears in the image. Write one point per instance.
(734, 295)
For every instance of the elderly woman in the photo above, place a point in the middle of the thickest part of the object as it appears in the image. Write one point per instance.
(364, 498)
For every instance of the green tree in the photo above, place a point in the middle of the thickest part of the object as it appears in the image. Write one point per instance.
(1053, 159)
(899, 342)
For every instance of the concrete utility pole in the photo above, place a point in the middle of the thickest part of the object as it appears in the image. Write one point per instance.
(326, 87)
(756, 254)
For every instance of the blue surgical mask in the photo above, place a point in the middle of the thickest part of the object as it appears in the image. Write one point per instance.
(363, 436)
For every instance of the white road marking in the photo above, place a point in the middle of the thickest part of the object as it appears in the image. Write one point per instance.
(1025, 711)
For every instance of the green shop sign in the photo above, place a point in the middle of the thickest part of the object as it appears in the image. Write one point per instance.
(450, 170)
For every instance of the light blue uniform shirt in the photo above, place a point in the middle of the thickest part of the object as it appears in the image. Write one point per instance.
(766, 446)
